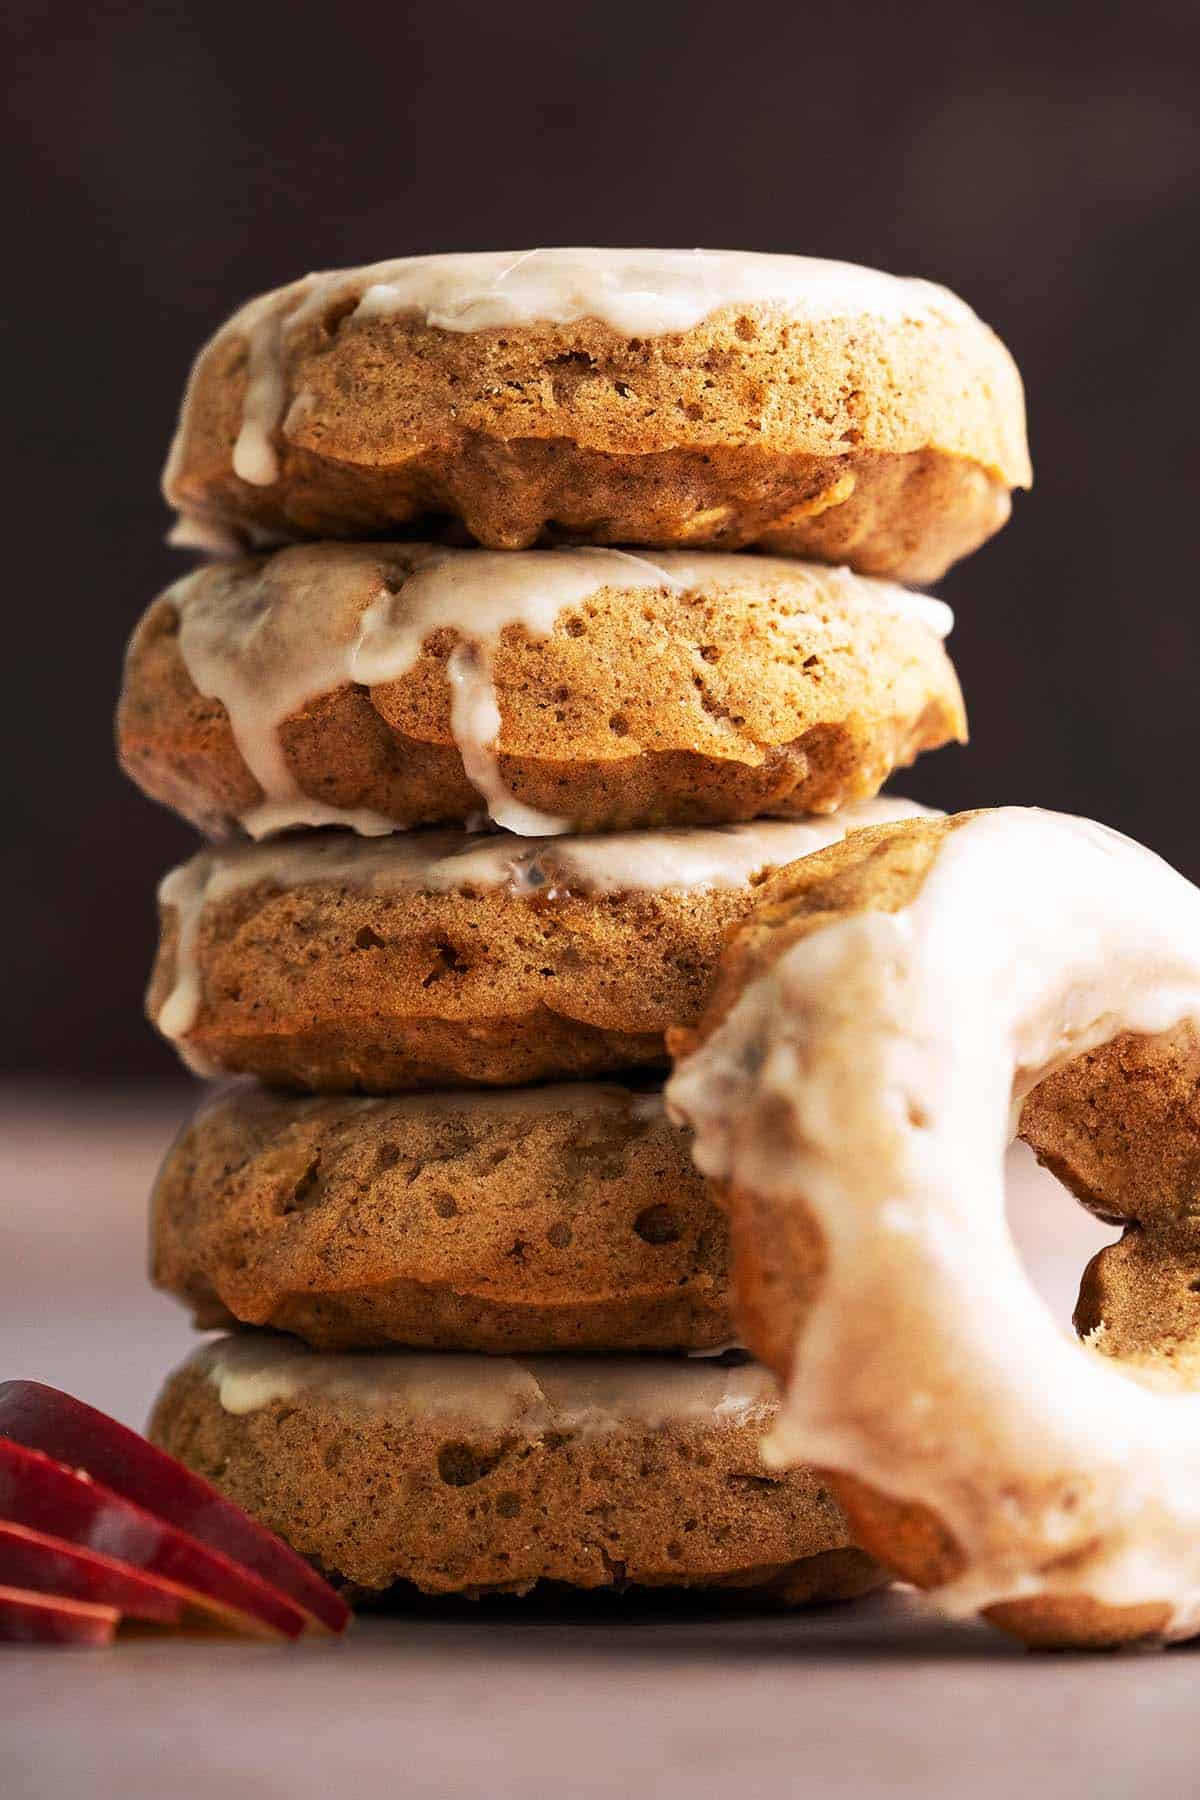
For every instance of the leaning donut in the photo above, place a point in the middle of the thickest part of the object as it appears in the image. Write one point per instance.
(892, 1009)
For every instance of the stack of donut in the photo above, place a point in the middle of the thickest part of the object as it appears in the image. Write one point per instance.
(554, 602)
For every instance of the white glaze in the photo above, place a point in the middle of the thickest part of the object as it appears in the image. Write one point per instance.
(267, 640)
(480, 594)
(202, 535)
(638, 293)
(589, 1396)
(873, 1075)
(670, 859)
(264, 648)
(254, 458)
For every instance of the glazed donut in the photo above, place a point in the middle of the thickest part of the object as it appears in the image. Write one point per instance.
(707, 398)
(327, 961)
(875, 1027)
(384, 685)
(478, 1475)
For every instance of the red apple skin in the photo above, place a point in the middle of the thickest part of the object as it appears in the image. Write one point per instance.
(49, 1565)
(27, 1618)
(41, 1493)
(43, 1418)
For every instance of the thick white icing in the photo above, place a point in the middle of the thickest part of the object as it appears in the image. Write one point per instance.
(584, 1395)
(873, 1075)
(269, 639)
(680, 859)
(638, 293)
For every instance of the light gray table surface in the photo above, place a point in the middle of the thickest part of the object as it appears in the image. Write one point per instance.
(607, 1697)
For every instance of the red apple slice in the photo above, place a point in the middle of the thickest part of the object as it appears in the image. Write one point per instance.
(44, 1419)
(49, 1565)
(41, 1493)
(27, 1618)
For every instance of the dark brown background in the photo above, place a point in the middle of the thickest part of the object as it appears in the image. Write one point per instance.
(168, 161)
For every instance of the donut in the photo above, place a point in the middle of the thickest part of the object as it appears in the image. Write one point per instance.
(488, 1475)
(384, 685)
(434, 959)
(706, 398)
(878, 1025)
(529, 1220)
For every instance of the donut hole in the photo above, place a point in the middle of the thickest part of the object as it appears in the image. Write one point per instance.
(1055, 1237)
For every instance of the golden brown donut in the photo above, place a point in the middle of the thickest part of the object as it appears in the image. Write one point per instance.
(378, 685)
(487, 1475)
(438, 959)
(708, 398)
(851, 1082)
(529, 1220)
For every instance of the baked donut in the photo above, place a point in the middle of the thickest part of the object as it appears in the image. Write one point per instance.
(486, 1475)
(531, 1220)
(699, 397)
(874, 1024)
(377, 685)
(434, 959)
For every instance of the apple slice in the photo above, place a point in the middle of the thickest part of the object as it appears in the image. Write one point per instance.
(49, 1565)
(27, 1618)
(38, 1492)
(43, 1418)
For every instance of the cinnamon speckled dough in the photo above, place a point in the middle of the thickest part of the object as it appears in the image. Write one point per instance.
(332, 962)
(495, 1501)
(1119, 1126)
(760, 687)
(546, 1219)
(890, 443)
